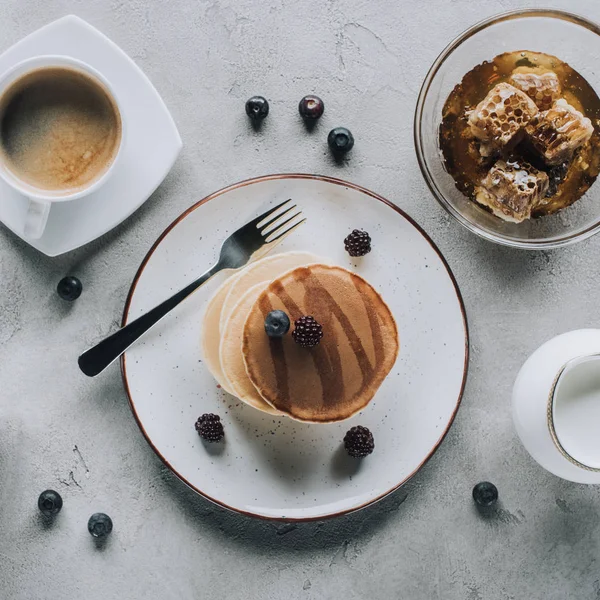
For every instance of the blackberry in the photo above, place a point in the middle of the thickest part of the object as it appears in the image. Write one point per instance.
(359, 442)
(358, 243)
(257, 108)
(100, 525)
(485, 493)
(210, 428)
(307, 332)
(50, 503)
(311, 108)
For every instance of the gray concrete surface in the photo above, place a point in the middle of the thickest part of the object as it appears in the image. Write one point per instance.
(58, 429)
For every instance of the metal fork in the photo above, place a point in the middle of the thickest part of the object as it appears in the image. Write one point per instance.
(248, 243)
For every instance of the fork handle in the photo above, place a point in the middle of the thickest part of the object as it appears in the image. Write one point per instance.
(96, 359)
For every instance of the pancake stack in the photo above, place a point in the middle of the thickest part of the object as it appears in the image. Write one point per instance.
(324, 384)
(219, 347)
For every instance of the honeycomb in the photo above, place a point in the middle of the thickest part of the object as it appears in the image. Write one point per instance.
(559, 131)
(503, 113)
(542, 89)
(511, 190)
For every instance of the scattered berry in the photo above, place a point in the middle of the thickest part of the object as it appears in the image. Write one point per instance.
(485, 493)
(257, 108)
(50, 503)
(359, 442)
(340, 140)
(277, 324)
(307, 332)
(210, 428)
(69, 288)
(358, 243)
(100, 525)
(311, 108)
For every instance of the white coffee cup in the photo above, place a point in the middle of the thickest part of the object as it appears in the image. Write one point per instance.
(40, 200)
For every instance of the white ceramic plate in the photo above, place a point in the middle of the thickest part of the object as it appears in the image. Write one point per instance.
(151, 146)
(279, 468)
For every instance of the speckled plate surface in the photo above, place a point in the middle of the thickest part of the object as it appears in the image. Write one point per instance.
(275, 467)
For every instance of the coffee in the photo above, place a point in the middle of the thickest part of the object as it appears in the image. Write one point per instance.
(60, 130)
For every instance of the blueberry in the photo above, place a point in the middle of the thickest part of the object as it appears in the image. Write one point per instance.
(50, 503)
(69, 288)
(485, 493)
(311, 107)
(257, 108)
(277, 324)
(340, 140)
(100, 525)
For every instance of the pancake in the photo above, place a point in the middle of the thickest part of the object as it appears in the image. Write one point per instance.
(212, 324)
(337, 378)
(230, 352)
(265, 269)
(210, 337)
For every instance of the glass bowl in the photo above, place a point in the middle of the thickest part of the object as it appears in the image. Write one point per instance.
(571, 38)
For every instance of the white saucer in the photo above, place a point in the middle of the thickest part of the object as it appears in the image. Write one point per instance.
(274, 467)
(151, 146)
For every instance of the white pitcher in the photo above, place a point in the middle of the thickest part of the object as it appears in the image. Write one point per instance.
(556, 405)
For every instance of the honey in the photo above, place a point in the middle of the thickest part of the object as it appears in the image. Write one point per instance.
(542, 79)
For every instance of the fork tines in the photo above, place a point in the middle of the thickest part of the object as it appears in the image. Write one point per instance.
(275, 229)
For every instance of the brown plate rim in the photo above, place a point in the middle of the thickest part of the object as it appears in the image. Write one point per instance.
(334, 181)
